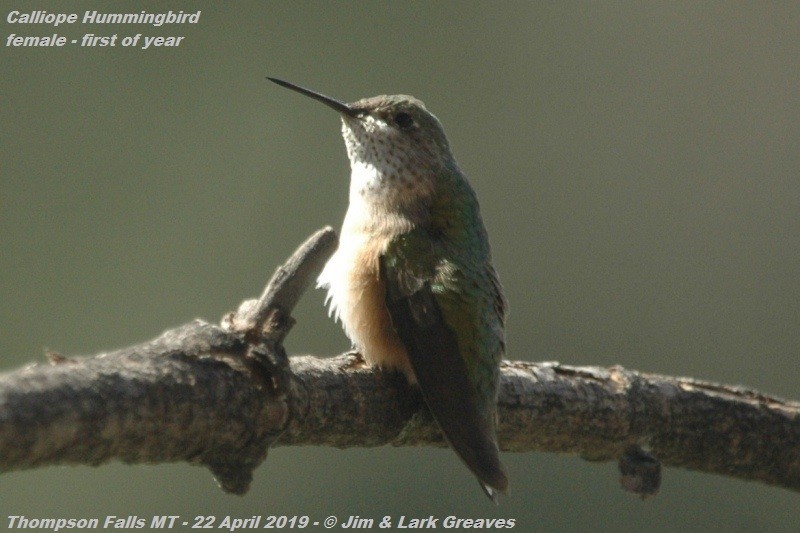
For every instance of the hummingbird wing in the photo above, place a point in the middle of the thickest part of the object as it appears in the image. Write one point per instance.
(445, 371)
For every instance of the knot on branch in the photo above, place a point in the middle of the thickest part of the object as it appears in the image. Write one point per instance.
(263, 324)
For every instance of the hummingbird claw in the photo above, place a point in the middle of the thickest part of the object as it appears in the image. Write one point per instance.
(355, 360)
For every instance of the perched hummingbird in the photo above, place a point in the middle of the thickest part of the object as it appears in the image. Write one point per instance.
(412, 280)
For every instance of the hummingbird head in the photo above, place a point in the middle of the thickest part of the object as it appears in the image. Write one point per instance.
(397, 148)
(395, 134)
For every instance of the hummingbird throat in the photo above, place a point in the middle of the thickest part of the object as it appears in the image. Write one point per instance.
(384, 176)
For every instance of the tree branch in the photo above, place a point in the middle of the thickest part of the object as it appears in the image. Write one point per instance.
(220, 396)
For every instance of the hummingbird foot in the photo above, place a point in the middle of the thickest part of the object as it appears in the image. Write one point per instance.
(355, 360)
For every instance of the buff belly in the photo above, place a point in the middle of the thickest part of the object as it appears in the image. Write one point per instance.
(357, 298)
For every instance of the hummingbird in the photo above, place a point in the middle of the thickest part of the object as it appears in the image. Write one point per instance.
(412, 280)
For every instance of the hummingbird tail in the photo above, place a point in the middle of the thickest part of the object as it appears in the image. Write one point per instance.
(489, 471)
(492, 493)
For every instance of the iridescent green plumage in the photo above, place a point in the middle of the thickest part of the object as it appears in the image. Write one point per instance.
(452, 330)
(451, 252)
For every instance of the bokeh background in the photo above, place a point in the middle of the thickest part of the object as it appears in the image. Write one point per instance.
(637, 166)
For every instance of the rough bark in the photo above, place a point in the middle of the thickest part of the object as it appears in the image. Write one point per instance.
(221, 395)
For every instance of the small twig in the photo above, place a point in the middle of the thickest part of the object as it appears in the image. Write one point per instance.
(284, 288)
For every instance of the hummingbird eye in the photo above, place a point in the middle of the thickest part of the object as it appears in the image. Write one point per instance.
(404, 120)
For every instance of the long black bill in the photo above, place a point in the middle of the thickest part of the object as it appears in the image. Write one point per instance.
(341, 107)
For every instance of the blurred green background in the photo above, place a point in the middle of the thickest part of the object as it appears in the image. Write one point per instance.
(637, 166)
